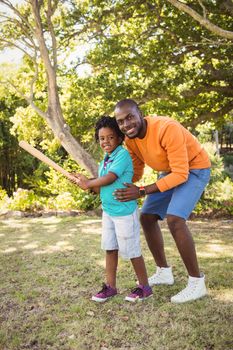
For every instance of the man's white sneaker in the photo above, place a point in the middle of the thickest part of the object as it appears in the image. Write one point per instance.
(163, 275)
(195, 289)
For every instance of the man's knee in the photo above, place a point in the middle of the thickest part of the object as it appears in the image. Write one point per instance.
(148, 219)
(175, 222)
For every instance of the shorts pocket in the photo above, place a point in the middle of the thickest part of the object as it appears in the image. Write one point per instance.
(202, 174)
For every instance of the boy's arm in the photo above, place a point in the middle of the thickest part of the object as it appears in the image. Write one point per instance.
(95, 184)
(100, 181)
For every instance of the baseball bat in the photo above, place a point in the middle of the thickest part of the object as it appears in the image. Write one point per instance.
(33, 151)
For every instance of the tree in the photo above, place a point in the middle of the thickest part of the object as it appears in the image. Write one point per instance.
(14, 165)
(203, 20)
(164, 59)
(31, 28)
(149, 51)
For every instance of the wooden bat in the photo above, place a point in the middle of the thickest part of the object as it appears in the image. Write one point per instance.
(32, 150)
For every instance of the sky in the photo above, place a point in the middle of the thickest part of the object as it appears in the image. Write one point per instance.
(13, 56)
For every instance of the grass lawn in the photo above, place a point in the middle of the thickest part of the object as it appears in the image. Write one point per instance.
(49, 268)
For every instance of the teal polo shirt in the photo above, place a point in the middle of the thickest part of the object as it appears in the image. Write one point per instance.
(120, 163)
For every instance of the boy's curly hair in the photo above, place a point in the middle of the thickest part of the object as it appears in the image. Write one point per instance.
(107, 122)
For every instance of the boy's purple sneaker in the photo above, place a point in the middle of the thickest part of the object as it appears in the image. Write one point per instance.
(104, 294)
(139, 293)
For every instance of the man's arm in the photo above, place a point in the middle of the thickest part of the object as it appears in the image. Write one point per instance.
(173, 141)
(138, 164)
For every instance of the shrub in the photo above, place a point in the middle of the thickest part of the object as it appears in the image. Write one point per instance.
(3, 199)
(25, 200)
(218, 195)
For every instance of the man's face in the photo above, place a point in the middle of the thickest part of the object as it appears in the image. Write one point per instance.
(129, 121)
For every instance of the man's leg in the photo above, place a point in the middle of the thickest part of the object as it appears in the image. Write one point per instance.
(154, 238)
(195, 288)
(184, 243)
(183, 201)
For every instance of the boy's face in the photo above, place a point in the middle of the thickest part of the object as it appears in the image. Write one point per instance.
(108, 140)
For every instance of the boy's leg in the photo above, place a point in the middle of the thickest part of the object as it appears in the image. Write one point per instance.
(128, 237)
(142, 291)
(110, 245)
(140, 270)
(111, 267)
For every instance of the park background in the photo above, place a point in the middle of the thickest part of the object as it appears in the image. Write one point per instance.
(70, 62)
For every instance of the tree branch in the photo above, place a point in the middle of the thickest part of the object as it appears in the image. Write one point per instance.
(203, 21)
(29, 101)
(11, 44)
(214, 115)
(227, 91)
(50, 12)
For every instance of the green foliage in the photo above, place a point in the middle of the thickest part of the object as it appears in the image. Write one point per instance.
(3, 199)
(166, 61)
(144, 50)
(218, 195)
(228, 164)
(24, 200)
(28, 200)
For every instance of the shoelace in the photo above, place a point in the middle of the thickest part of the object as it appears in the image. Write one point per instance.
(137, 291)
(188, 291)
(104, 288)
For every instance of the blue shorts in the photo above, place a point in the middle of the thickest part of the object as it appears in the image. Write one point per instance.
(180, 200)
(122, 233)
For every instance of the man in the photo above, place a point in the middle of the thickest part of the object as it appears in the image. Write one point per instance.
(166, 146)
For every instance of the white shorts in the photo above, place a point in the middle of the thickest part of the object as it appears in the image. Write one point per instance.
(122, 233)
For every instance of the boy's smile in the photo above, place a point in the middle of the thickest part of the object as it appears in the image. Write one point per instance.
(108, 140)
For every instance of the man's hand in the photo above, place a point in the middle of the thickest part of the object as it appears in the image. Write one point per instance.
(127, 194)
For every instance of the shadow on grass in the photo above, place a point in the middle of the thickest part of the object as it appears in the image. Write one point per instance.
(47, 280)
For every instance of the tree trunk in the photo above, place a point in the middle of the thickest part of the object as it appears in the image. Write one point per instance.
(54, 115)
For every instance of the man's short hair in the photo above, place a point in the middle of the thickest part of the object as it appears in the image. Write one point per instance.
(128, 102)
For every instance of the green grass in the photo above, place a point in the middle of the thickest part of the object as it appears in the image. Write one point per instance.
(50, 267)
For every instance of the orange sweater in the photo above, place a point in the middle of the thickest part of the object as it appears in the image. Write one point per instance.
(167, 146)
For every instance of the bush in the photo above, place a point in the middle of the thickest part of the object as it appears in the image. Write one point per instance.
(25, 200)
(218, 195)
(55, 192)
(228, 164)
(3, 199)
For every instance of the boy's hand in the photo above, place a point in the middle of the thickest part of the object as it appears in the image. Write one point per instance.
(83, 183)
(80, 180)
(81, 177)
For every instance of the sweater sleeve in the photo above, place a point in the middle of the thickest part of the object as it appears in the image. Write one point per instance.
(173, 141)
(138, 164)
